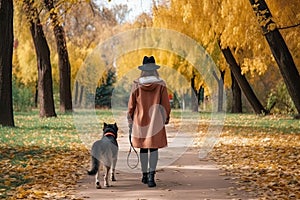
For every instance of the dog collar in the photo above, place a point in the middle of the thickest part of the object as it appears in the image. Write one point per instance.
(109, 133)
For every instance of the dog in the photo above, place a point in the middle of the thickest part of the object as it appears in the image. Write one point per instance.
(105, 151)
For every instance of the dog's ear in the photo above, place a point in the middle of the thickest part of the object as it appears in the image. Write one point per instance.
(104, 125)
(115, 125)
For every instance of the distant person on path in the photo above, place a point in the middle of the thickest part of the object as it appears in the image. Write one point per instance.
(148, 112)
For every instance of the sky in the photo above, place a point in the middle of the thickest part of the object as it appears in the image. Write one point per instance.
(136, 6)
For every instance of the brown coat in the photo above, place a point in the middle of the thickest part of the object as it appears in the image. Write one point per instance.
(149, 111)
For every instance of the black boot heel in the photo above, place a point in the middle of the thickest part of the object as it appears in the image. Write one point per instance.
(145, 178)
(151, 180)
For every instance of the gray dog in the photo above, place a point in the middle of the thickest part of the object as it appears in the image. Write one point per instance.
(105, 151)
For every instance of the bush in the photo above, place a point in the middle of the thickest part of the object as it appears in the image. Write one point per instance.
(282, 100)
(23, 97)
(175, 102)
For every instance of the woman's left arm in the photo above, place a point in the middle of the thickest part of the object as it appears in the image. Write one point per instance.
(165, 102)
(131, 107)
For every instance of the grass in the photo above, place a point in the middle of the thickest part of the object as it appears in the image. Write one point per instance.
(268, 124)
(31, 143)
(45, 156)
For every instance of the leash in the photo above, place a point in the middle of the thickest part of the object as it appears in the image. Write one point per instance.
(129, 152)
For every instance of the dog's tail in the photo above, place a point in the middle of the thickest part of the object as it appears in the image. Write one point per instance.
(95, 166)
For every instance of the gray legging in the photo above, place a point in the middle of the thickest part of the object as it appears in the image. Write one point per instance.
(152, 160)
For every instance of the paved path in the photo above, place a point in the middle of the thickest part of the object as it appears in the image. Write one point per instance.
(180, 176)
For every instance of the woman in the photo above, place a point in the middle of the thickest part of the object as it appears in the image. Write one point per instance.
(148, 112)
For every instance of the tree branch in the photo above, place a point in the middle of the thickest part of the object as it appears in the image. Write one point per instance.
(287, 27)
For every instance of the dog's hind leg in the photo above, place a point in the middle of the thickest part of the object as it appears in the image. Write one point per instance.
(106, 177)
(98, 177)
(113, 177)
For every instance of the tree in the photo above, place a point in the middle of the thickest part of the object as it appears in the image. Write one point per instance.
(6, 53)
(194, 95)
(279, 49)
(45, 88)
(104, 90)
(63, 59)
(236, 106)
(243, 83)
(82, 26)
(234, 26)
(220, 89)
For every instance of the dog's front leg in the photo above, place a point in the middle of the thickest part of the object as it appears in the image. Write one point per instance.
(106, 177)
(98, 177)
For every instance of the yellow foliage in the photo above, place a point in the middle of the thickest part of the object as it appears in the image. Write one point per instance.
(77, 56)
(235, 26)
(173, 68)
(233, 23)
(254, 66)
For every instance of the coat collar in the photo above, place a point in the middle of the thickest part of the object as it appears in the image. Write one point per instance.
(149, 79)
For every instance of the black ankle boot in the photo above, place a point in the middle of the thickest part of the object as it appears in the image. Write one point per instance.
(145, 178)
(151, 180)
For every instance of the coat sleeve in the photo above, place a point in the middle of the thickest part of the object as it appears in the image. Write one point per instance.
(166, 104)
(131, 106)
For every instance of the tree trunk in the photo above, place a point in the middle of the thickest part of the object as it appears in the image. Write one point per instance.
(243, 83)
(280, 50)
(201, 95)
(6, 54)
(194, 100)
(45, 88)
(63, 58)
(220, 89)
(81, 95)
(236, 96)
(36, 96)
(76, 94)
